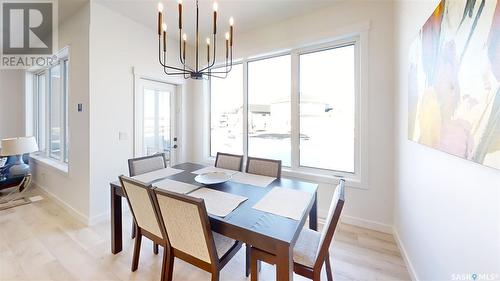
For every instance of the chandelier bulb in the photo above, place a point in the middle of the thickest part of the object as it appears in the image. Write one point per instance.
(184, 37)
(160, 7)
(164, 26)
(227, 35)
(208, 41)
(231, 21)
(215, 6)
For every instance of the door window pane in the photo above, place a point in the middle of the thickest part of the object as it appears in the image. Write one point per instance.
(56, 116)
(156, 126)
(269, 92)
(327, 105)
(149, 121)
(163, 121)
(226, 113)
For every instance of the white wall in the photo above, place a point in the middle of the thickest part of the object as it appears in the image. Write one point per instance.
(373, 205)
(11, 103)
(72, 188)
(119, 45)
(447, 210)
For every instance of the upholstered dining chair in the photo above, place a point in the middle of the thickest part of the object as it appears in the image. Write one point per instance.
(184, 220)
(146, 164)
(142, 165)
(311, 249)
(264, 167)
(229, 161)
(145, 217)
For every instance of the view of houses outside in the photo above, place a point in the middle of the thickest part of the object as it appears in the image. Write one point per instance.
(327, 110)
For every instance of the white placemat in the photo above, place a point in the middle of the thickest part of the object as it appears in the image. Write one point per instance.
(175, 186)
(157, 174)
(218, 203)
(213, 169)
(257, 180)
(284, 202)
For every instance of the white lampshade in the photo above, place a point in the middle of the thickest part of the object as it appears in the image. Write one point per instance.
(17, 146)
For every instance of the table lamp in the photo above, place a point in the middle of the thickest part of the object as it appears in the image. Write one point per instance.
(17, 147)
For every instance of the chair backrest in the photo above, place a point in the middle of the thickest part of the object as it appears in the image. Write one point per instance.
(185, 222)
(264, 167)
(331, 222)
(141, 165)
(229, 161)
(144, 214)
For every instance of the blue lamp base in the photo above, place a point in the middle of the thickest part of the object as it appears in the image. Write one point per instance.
(19, 168)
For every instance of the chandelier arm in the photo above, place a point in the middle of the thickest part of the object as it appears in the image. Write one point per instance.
(166, 67)
(213, 61)
(165, 58)
(183, 62)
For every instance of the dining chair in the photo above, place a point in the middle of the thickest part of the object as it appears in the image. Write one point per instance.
(264, 167)
(311, 249)
(185, 221)
(146, 164)
(145, 217)
(229, 161)
(142, 165)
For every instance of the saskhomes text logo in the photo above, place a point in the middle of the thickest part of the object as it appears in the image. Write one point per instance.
(28, 33)
(475, 276)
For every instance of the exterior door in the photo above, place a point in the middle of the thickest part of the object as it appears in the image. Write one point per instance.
(155, 124)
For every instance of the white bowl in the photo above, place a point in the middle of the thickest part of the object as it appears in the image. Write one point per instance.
(212, 178)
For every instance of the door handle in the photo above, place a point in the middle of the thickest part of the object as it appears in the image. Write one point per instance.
(175, 146)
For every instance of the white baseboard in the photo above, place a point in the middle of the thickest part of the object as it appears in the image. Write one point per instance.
(373, 225)
(74, 213)
(406, 258)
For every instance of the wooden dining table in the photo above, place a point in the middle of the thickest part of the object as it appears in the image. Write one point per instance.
(266, 231)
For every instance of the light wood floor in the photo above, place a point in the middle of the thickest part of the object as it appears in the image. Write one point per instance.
(41, 241)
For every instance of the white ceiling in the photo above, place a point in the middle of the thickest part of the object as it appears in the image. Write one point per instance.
(248, 14)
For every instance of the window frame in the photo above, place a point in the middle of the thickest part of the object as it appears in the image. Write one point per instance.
(358, 178)
(64, 63)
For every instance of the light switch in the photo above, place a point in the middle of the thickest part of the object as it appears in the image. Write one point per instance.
(80, 107)
(122, 136)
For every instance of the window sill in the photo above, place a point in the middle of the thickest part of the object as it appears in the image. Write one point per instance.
(45, 161)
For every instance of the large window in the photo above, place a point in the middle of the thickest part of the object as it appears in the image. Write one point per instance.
(51, 107)
(226, 113)
(300, 107)
(269, 128)
(327, 109)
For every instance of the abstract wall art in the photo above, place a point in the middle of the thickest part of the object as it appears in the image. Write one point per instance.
(454, 78)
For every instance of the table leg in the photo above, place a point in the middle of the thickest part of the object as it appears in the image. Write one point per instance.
(116, 222)
(313, 215)
(284, 263)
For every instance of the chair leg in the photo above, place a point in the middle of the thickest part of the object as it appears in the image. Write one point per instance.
(328, 268)
(155, 248)
(215, 276)
(247, 261)
(254, 276)
(164, 266)
(133, 230)
(137, 250)
(169, 266)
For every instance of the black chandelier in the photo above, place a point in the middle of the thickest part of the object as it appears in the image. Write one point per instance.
(195, 72)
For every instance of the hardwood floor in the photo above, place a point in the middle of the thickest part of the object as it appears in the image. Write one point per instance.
(41, 241)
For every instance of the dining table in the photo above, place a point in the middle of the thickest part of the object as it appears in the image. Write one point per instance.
(269, 232)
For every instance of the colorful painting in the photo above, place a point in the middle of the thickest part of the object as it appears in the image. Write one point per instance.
(454, 78)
